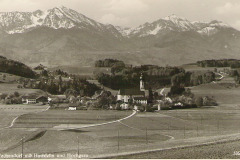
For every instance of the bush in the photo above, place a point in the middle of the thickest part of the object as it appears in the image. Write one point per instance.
(3, 96)
(199, 101)
(118, 107)
(176, 90)
(207, 101)
(141, 108)
(16, 94)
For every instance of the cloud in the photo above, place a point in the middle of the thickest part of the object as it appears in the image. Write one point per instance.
(113, 19)
(229, 8)
(126, 7)
(229, 12)
(237, 24)
(16, 5)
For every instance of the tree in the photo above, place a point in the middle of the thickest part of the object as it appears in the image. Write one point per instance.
(150, 97)
(16, 94)
(60, 84)
(3, 96)
(70, 92)
(199, 101)
(176, 90)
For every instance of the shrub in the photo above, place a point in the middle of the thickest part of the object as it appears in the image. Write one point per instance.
(118, 107)
(3, 96)
(16, 94)
(199, 101)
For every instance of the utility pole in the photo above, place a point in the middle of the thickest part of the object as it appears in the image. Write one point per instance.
(118, 140)
(197, 130)
(22, 141)
(78, 145)
(146, 136)
(184, 131)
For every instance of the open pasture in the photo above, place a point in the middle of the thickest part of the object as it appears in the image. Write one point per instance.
(8, 115)
(141, 132)
(82, 70)
(5, 77)
(13, 87)
(195, 67)
(53, 118)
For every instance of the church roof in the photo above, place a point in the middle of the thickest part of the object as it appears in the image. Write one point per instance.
(132, 91)
(140, 98)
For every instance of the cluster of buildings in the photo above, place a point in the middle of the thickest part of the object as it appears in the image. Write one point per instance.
(133, 95)
(125, 97)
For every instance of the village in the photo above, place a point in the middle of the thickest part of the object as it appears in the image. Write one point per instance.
(137, 106)
(66, 91)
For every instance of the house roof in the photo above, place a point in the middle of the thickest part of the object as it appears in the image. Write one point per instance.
(140, 98)
(30, 97)
(58, 96)
(73, 105)
(33, 96)
(132, 91)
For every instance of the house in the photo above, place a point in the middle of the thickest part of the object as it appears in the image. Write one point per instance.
(57, 98)
(140, 100)
(42, 99)
(29, 99)
(124, 106)
(72, 108)
(33, 99)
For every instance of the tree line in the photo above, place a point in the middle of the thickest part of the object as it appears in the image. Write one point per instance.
(154, 76)
(109, 63)
(16, 68)
(233, 63)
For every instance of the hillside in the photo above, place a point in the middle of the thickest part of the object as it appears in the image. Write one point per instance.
(16, 68)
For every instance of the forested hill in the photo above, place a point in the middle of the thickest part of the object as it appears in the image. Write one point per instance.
(16, 68)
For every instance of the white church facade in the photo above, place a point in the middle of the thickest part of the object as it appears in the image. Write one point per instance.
(136, 95)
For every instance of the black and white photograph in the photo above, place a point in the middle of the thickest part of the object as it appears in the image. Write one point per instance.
(119, 79)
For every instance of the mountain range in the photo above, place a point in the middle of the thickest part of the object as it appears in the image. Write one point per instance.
(62, 36)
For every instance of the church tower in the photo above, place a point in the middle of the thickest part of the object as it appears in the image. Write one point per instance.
(142, 88)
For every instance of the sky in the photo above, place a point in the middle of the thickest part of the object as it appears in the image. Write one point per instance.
(132, 13)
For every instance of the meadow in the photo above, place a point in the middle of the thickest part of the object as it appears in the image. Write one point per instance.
(173, 131)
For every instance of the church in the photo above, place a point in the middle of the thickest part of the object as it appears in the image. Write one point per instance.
(136, 95)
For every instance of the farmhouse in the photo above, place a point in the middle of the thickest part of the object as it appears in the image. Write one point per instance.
(57, 98)
(29, 99)
(33, 99)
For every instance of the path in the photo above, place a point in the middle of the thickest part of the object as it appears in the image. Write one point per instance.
(14, 120)
(66, 127)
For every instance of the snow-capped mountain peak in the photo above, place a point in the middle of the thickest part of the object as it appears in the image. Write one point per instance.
(173, 18)
(58, 17)
(174, 23)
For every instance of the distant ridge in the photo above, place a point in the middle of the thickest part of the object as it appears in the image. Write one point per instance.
(62, 36)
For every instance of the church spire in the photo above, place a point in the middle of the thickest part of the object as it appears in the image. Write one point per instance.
(142, 88)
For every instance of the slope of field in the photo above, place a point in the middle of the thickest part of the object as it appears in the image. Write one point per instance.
(142, 132)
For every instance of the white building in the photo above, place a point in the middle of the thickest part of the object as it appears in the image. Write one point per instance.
(140, 100)
(125, 95)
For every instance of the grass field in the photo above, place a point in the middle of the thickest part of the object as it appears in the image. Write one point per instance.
(12, 87)
(5, 77)
(142, 132)
(82, 70)
(195, 67)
